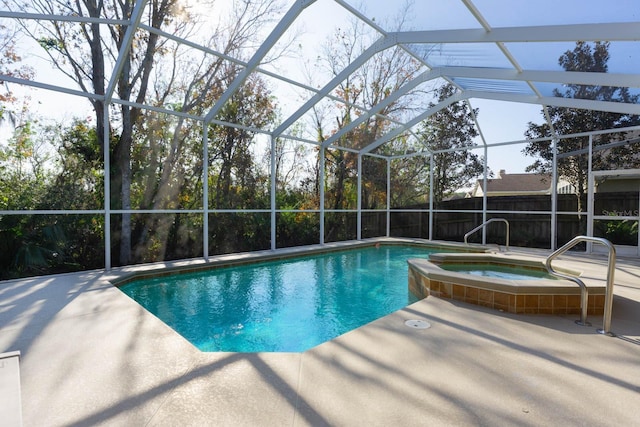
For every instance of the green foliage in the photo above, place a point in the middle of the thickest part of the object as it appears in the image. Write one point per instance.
(451, 128)
(573, 167)
(33, 178)
(47, 244)
(409, 181)
(623, 232)
(50, 43)
(236, 181)
(296, 228)
(156, 160)
(24, 176)
(374, 183)
(79, 182)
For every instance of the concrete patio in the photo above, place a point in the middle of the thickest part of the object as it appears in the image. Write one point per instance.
(91, 356)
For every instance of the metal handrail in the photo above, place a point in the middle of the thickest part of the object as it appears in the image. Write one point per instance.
(584, 293)
(608, 304)
(484, 224)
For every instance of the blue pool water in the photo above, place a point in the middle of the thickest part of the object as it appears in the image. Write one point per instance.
(288, 305)
(498, 271)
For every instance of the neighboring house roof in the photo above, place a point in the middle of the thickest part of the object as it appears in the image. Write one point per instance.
(522, 184)
(514, 184)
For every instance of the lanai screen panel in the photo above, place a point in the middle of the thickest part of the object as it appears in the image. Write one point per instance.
(508, 13)
(298, 62)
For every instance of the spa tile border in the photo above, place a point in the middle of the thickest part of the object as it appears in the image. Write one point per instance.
(520, 297)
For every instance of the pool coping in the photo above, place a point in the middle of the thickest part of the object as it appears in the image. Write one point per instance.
(138, 272)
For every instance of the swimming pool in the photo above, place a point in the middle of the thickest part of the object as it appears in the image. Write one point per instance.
(288, 305)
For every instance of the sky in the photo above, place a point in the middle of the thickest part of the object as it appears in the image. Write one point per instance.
(499, 121)
(507, 121)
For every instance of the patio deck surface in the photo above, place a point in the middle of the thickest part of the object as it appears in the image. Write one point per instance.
(91, 356)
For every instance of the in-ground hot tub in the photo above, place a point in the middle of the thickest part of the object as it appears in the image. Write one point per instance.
(539, 294)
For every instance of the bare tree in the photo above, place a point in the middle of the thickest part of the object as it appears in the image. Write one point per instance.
(380, 76)
(87, 53)
(10, 65)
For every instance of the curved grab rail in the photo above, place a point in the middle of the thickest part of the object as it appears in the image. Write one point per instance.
(584, 293)
(484, 224)
(608, 303)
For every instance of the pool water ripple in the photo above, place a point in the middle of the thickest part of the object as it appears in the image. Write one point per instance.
(287, 305)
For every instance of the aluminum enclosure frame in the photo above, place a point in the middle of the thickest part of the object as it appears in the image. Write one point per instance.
(626, 31)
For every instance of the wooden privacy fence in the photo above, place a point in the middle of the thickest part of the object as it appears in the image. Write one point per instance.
(531, 229)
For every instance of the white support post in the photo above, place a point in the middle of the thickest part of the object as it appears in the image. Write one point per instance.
(359, 199)
(590, 195)
(321, 190)
(554, 196)
(107, 188)
(554, 199)
(205, 191)
(590, 208)
(485, 168)
(273, 192)
(127, 40)
(553, 238)
(388, 197)
(431, 197)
